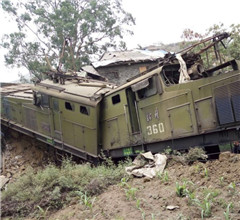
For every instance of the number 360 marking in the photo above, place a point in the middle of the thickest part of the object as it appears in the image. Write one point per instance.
(155, 129)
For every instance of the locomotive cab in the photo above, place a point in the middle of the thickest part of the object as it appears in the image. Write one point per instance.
(157, 110)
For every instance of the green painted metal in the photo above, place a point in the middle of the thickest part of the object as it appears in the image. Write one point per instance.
(92, 117)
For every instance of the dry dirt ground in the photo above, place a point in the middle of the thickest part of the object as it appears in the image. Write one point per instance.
(218, 182)
(154, 196)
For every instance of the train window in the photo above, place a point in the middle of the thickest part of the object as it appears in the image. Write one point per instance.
(41, 99)
(116, 99)
(84, 110)
(149, 90)
(140, 85)
(44, 100)
(171, 74)
(69, 106)
(37, 98)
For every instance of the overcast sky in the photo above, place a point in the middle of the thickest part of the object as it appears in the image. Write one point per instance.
(157, 21)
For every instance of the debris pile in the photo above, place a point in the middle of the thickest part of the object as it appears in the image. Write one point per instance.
(147, 165)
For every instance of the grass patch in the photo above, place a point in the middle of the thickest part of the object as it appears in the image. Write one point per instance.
(54, 186)
(195, 154)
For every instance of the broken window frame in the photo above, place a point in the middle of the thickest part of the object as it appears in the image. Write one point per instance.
(148, 87)
(41, 99)
(140, 85)
(173, 79)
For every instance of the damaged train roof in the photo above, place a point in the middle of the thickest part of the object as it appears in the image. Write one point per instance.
(22, 91)
(131, 56)
(86, 91)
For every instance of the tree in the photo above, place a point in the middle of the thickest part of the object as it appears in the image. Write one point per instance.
(65, 34)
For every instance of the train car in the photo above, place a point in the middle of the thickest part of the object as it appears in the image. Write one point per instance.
(178, 104)
(63, 115)
(150, 113)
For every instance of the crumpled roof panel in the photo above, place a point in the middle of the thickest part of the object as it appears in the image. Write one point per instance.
(134, 56)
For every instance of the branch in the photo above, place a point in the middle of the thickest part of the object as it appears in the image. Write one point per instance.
(105, 35)
(39, 38)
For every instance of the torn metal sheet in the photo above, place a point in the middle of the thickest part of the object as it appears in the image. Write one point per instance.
(184, 77)
(147, 165)
(132, 56)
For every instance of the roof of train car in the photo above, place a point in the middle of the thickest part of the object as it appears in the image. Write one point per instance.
(88, 92)
(22, 91)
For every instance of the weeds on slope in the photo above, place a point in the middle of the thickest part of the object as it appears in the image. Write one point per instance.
(53, 187)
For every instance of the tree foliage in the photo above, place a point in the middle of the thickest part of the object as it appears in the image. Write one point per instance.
(232, 44)
(70, 33)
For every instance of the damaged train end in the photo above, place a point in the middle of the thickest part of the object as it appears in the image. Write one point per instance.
(178, 105)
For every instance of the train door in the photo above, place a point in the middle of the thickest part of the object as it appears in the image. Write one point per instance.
(134, 125)
(147, 92)
(57, 126)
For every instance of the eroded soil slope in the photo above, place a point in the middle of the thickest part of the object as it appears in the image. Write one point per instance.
(210, 188)
(157, 198)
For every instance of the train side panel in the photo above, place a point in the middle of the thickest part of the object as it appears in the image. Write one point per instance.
(116, 132)
(79, 125)
(203, 112)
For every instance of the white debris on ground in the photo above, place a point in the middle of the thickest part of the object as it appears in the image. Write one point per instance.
(147, 165)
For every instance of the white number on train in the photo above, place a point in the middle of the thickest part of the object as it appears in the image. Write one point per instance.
(155, 129)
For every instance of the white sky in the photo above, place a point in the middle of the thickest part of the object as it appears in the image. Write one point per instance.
(156, 21)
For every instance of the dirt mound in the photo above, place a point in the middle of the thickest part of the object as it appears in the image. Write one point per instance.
(214, 182)
(22, 152)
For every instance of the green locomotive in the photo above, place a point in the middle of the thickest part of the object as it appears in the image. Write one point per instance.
(177, 104)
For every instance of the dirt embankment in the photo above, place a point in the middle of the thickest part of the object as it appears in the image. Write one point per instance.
(20, 153)
(157, 198)
(214, 184)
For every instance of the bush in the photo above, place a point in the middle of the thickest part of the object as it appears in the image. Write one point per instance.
(195, 154)
(51, 187)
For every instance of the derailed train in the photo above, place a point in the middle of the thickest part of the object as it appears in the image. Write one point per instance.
(178, 104)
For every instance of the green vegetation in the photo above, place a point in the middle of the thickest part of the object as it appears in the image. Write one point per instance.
(195, 154)
(227, 213)
(86, 200)
(164, 177)
(41, 213)
(221, 180)
(213, 192)
(54, 186)
(205, 206)
(138, 203)
(184, 190)
(232, 188)
(131, 193)
(206, 173)
(65, 33)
